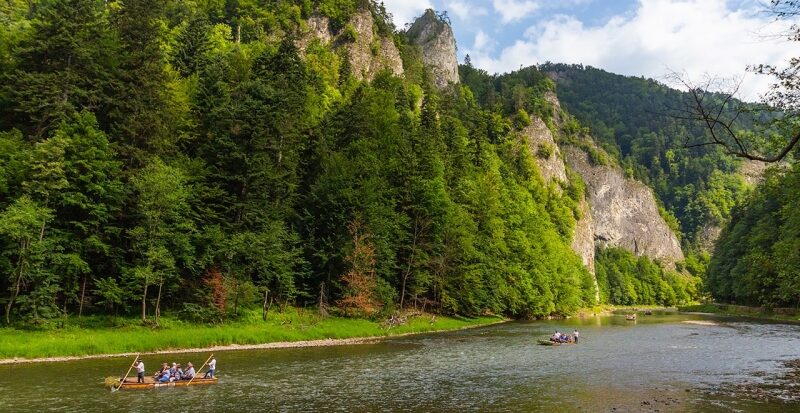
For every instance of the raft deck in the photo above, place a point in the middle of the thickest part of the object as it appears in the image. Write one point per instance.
(150, 383)
(552, 343)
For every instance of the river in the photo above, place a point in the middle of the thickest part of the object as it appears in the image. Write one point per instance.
(665, 362)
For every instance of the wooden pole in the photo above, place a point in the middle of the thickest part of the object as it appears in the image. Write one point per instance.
(197, 373)
(129, 372)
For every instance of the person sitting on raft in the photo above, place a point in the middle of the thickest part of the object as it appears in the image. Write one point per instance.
(178, 372)
(164, 370)
(189, 373)
(166, 374)
(556, 337)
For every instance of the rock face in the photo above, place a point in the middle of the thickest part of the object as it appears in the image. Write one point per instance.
(544, 149)
(624, 211)
(435, 38)
(753, 171)
(583, 243)
(318, 27)
(368, 53)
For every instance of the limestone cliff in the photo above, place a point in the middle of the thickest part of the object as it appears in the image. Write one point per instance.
(435, 38)
(367, 52)
(624, 211)
(544, 149)
(583, 243)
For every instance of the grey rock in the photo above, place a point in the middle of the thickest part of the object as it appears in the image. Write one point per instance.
(316, 27)
(583, 243)
(540, 140)
(368, 54)
(438, 45)
(363, 59)
(624, 211)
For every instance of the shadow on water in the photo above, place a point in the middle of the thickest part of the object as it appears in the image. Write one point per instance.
(664, 362)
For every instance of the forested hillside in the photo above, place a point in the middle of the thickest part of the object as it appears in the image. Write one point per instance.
(190, 158)
(756, 261)
(634, 120)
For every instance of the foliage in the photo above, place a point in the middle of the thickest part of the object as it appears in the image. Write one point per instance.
(626, 279)
(187, 158)
(755, 261)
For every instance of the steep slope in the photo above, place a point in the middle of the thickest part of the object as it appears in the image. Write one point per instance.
(367, 51)
(624, 211)
(629, 118)
(435, 38)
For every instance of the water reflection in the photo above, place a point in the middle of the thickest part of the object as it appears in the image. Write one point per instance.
(660, 362)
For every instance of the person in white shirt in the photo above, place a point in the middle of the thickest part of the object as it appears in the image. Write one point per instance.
(139, 364)
(575, 335)
(212, 366)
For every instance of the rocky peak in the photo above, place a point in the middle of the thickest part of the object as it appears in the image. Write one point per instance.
(368, 52)
(433, 34)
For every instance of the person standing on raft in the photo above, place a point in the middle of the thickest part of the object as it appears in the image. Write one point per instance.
(139, 365)
(575, 335)
(212, 366)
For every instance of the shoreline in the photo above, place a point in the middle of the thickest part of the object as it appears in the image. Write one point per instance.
(326, 342)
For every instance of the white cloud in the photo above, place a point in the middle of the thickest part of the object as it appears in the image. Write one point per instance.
(482, 40)
(481, 45)
(464, 10)
(514, 10)
(404, 11)
(695, 36)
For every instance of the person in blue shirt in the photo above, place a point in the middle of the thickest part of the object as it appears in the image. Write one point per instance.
(164, 378)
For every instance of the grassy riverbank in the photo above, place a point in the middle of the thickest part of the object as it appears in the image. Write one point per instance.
(779, 314)
(101, 335)
(605, 309)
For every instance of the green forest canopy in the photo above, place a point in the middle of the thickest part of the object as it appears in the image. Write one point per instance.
(183, 157)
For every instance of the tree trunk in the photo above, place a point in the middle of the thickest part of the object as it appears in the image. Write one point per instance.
(83, 297)
(158, 298)
(323, 310)
(264, 309)
(144, 301)
(236, 300)
(20, 264)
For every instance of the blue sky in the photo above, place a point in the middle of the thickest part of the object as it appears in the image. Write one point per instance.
(648, 38)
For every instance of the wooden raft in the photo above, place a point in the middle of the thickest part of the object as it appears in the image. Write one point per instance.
(150, 383)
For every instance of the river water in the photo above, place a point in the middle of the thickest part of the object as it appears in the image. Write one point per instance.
(665, 362)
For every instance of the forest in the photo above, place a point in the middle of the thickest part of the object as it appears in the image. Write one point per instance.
(184, 158)
(198, 159)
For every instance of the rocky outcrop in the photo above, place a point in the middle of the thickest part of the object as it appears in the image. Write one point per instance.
(544, 149)
(753, 171)
(583, 243)
(437, 43)
(316, 27)
(367, 52)
(624, 211)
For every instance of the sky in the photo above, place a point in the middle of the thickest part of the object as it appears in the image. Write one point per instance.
(649, 38)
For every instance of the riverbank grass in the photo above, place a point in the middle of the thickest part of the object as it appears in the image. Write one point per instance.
(777, 314)
(102, 335)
